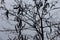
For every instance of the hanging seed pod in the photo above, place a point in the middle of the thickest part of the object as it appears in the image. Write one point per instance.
(16, 29)
(40, 4)
(18, 11)
(7, 12)
(47, 5)
(20, 24)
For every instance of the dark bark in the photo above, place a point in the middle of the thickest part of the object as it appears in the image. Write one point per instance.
(42, 29)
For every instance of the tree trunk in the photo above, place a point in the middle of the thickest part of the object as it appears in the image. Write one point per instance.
(42, 29)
